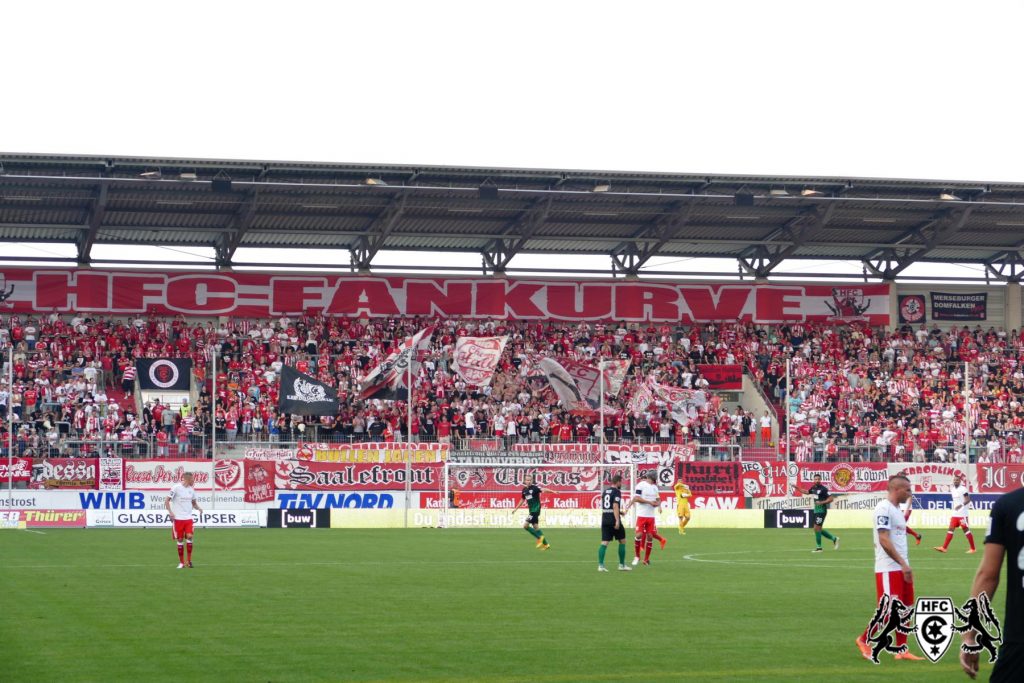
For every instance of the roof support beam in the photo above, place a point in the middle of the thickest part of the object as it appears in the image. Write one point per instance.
(630, 256)
(227, 242)
(500, 251)
(88, 237)
(890, 260)
(1007, 266)
(762, 259)
(377, 233)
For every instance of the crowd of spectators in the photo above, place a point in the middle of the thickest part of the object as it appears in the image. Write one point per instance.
(856, 392)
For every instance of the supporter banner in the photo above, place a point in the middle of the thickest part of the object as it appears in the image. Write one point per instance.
(710, 478)
(164, 374)
(911, 309)
(929, 477)
(475, 358)
(111, 474)
(1000, 478)
(972, 306)
(373, 452)
(158, 518)
(298, 519)
(722, 377)
(562, 479)
(270, 454)
(382, 500)
(330, 476)
(844, 477)
(46, 519)
(260, 481)
(258, 295)
(305, 395)
(65, 473)
(766, 478)
(20, 470)
(163, 474)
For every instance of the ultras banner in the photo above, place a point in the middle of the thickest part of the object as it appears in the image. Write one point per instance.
(947, 306)
(258, 295)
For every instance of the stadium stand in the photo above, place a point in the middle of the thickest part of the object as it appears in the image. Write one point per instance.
(858, 393)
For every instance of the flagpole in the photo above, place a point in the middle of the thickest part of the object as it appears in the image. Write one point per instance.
(967, 419)
(213, 434)
(785, 407)
(600, 371)
(408, 399)
(10, 424)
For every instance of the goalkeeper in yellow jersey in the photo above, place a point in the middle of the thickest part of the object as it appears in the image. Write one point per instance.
(682, 504)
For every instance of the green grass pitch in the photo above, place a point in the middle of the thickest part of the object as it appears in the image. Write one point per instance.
(449, 605)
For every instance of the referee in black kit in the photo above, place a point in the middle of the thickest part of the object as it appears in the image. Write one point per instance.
(1005, 537)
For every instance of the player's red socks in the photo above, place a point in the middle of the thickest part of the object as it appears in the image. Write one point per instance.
(647, 552)
(970, 538)
(637, 544)
(181, 553)
(189, 545)
(913, 533)
(949, 539)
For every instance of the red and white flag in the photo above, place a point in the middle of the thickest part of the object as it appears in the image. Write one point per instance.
(476, 358)
(679, 401)
(389, 380)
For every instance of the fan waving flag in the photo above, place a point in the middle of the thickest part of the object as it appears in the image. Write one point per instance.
(680, 401)
(305, 395)
(389, 380)
(476, 358)
(565, 386)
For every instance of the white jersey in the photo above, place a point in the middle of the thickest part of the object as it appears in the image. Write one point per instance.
(960, 506)
(181, 501)
(646, 489)
(889, 517)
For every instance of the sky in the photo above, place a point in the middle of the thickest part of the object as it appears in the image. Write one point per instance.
(925, 90)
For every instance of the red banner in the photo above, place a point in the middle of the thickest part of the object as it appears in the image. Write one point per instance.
(711, 478)
(258, 295)
(722, 377)
(163, 474)
(65, 473)
(259, 480)
(766, 478)
(332, 476)
(1000, 478)
(845, 477)
(21, 470)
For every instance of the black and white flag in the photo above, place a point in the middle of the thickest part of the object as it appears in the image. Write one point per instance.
(305, 395)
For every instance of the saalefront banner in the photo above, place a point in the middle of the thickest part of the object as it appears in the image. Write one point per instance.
(258, 295)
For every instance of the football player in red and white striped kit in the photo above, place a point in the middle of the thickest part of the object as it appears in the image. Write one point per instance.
(958, 518)
(893, 575)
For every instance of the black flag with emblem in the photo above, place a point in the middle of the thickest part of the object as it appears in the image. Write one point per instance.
(305, 395)
(164, 374)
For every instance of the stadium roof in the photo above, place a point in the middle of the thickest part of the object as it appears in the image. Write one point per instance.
(499, 212)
